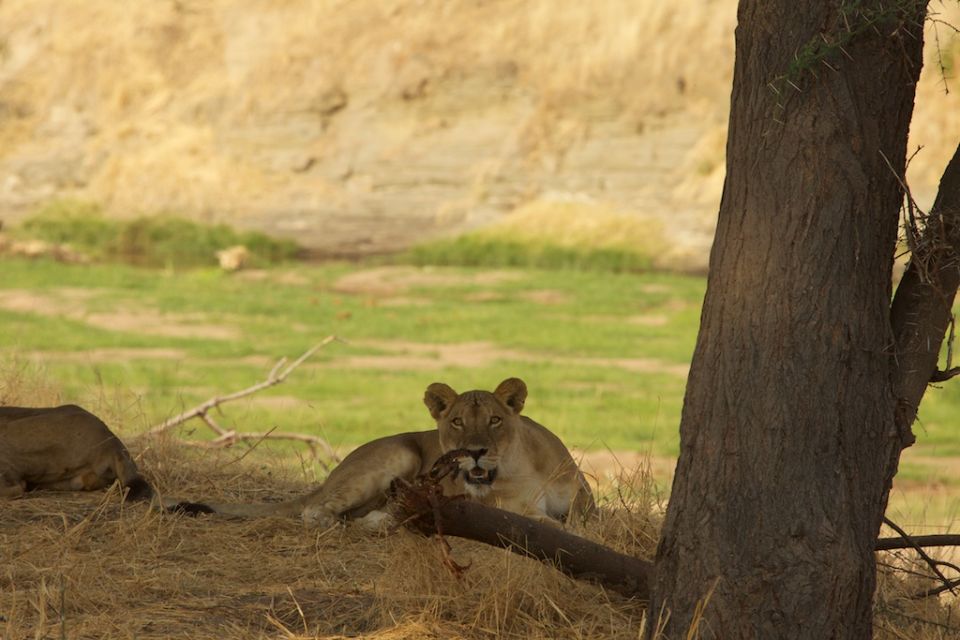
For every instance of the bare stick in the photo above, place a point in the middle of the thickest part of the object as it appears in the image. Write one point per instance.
(213, 424)
(277, 375)
(229, 438)
(943, 376)
(923, 554)
(934, 540)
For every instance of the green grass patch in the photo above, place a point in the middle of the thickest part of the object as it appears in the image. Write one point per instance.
(603, 354)
(155, 241)
(554, 234)
(473, 251)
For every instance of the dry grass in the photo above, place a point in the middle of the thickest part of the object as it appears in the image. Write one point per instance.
(898, 615)
(85, 565)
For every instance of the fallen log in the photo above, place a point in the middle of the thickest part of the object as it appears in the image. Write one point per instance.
(423, 508)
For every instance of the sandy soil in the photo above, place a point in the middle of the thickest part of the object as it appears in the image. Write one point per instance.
(69, 303)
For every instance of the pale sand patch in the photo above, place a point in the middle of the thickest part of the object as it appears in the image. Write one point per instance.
(484, 296)
(651, 320)
(56, 302)
(655, 288)
(109, 355)
(402, 301)
(546, 296)
(389, 281)
(635, 365)
(67, 303)
(280, 277)
(648, 321)
(419, 356)
(157, 324)
(279, 402)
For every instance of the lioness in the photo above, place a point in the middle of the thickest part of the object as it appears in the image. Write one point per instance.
(515, 464)
(63, 448)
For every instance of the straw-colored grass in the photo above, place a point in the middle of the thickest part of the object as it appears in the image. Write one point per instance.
(86, 565)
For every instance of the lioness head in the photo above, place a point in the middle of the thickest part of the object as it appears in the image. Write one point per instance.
(481, 422)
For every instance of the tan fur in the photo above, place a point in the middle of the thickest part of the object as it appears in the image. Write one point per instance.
(534, 473)
(61, 448)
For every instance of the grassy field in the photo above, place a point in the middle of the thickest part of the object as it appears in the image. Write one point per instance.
(604, 355)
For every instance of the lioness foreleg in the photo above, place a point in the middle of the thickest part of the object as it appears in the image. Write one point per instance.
(358, 486)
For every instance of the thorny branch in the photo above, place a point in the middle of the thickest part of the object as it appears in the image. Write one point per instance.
(227, 437)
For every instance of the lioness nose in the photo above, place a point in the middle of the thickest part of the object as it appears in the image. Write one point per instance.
(476, 454)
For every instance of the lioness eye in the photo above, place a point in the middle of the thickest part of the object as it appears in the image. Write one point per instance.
(457, 422)
(495, 420)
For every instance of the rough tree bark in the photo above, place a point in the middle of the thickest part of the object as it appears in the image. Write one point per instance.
(794, 416)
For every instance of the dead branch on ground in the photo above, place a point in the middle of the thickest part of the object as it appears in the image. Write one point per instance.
(425, 509)
(228, 437)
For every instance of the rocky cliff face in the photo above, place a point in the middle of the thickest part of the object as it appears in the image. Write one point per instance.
(361, 126)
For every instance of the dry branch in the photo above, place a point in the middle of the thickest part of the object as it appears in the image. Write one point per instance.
(424, 508)
(933, 564)
(227, 437)
(943, 376)
(934, 540)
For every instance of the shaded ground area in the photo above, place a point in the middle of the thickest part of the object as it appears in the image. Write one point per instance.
(84, 565)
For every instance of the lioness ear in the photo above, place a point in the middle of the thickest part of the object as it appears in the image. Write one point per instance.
(513, 393)
(438, 399)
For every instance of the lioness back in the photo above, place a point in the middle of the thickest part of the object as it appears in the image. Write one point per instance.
(64, 448)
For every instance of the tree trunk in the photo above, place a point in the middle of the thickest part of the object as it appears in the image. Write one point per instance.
(789, 439)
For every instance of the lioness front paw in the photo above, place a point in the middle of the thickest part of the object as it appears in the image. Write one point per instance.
(377, 521)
